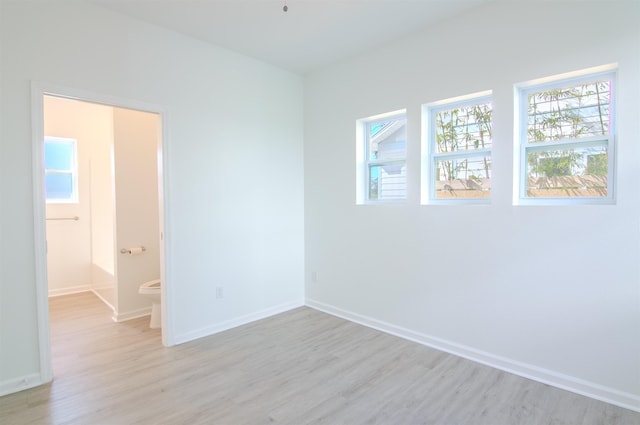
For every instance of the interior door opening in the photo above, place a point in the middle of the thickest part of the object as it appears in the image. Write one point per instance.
(99, 205)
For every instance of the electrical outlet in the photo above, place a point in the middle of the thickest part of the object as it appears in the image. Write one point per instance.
(314, 277)
(219, 292)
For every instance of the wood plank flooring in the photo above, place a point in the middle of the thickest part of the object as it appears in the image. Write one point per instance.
(300, 367)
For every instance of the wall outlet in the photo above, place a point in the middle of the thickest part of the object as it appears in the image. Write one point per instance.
(314, 277)
(219, 292)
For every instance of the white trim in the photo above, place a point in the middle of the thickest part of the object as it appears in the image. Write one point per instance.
(69, 290)
(38, 91)
(40, 233)
(166, 256)
(129, 315)
(238, 321)
(21, 383)
(568, 143)
(361, 183)
(576, 201)
(545, 376)
(519, 121)
(461, 154)
(103, 299)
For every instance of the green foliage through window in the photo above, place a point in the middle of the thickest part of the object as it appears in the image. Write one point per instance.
(568, 139)
(460, 141)
(570, 112)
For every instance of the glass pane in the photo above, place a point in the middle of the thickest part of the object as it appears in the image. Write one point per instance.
(569, 112)
(387, 181)
(463, 128)
(58, 155)
(59, 186)
(575, 172)
(387, 140)
(463, 178)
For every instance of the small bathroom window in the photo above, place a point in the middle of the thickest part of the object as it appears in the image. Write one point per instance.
(61, 170)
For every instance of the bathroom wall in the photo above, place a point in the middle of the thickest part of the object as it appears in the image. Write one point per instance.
(69, 242)
(136, 136)
(110, 141)
(103, 281)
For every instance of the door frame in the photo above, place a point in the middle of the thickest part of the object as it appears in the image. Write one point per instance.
(38, 91)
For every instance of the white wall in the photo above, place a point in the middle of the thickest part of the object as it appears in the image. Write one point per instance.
(69, 242)
(234, 165)
(549, 292)
(135, 136)
(103, 280)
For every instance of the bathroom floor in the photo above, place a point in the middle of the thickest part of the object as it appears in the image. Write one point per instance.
(299, 367)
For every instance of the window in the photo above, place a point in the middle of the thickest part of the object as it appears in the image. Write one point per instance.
(459, 138)
(382, 153)
(567, 140)
(61, 181)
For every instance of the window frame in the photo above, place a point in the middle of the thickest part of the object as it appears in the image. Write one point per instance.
(431, 156)
(73, 171)
(524, 147)
(364, 163)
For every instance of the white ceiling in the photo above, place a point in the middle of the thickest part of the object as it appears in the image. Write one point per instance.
(312, 34)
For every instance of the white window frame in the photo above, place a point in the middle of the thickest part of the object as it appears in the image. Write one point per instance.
(73, 171)
(523, 147)
(431, 156)
(364, 163)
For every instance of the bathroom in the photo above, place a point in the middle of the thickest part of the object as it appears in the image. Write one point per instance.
(104, 237)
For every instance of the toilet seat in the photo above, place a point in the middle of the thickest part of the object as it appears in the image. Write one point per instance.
(150, 288)
(153, 291)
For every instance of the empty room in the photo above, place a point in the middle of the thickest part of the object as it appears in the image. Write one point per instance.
(339, 212)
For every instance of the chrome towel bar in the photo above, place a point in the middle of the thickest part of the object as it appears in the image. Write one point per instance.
(132, 251)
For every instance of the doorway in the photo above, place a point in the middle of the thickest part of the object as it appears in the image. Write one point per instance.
(120, 210)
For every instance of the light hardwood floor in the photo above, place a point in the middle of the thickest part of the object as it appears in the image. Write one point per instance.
(300, 367)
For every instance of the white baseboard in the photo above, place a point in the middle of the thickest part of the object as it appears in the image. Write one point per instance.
(71, 290)
(239, 321)
(134, 314)
(20, 384)
(122, 317)
(104, 300)
(559, 380)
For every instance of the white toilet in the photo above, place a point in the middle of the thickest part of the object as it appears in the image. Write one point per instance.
(152, 291)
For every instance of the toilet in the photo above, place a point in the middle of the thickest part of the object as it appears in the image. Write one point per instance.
(152, 291)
